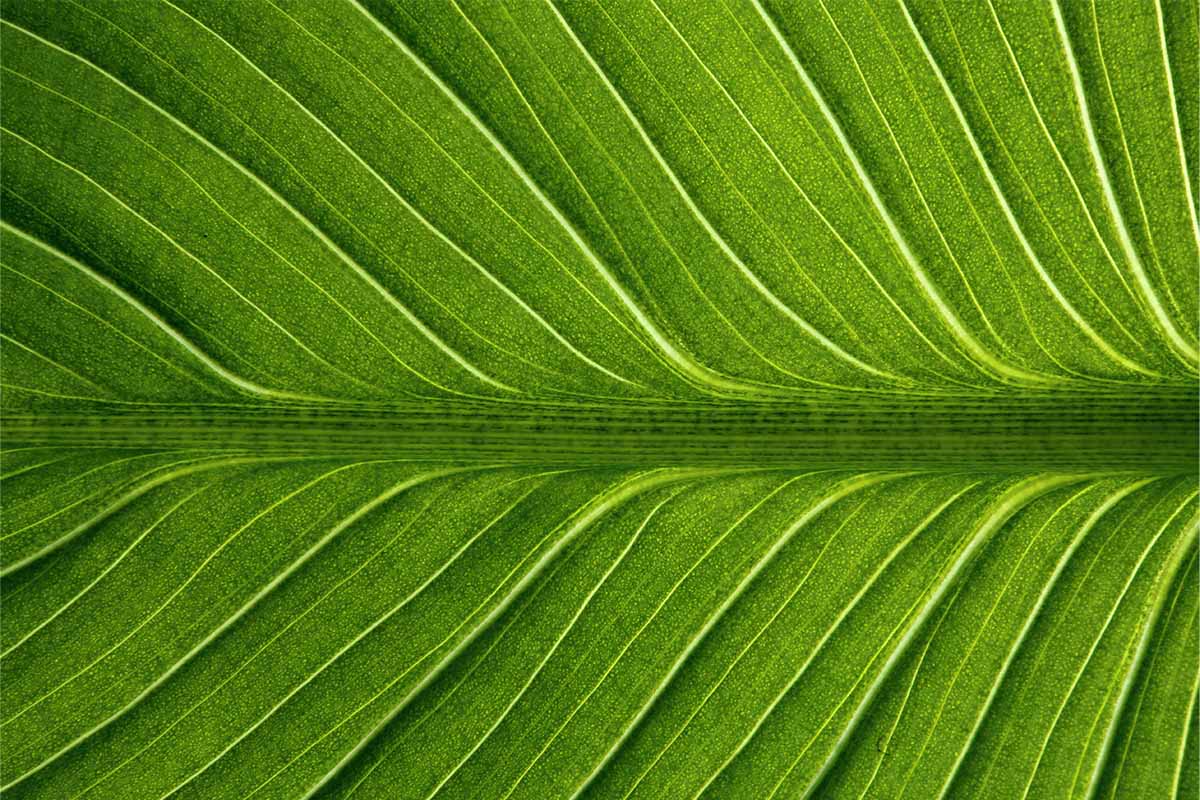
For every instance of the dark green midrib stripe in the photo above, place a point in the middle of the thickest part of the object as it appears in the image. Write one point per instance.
(1156, 431)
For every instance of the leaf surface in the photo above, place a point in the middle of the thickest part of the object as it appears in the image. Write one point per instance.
(614, 399)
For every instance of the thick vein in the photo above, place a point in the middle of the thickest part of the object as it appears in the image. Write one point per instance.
(1015, 645)
(907, 620)
(360, 636)
(1043, 653)
(681, 362)
(185, 252)
(1034, 260)
(1132, 574)
(993, 185)
(601, 505)
(412, 318)
(981, 356)
(502, 633)
(612, 567)
(59, 508)
(489, 275)
(1125, 153)
(843, 490)
(1160, 610)
(1149, 295)
(1183, 168)
(710, 229)
(771, 26)
(1180, 754)
(912, 178)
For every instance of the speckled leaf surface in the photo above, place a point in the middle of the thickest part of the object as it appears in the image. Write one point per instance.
(599, 399)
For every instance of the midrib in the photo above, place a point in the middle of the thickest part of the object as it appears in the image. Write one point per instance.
(1155, 431)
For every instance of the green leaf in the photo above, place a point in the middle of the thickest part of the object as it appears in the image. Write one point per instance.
(599, 399)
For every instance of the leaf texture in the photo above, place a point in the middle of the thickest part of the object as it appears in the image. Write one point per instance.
(599, 399)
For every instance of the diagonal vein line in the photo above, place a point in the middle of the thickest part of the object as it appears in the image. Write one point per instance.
(187, 344)
(208, 144)
(605, 502)
(179, 589)
(192, 179)
(693, 642)
(350, 645)
(1042, 653)
(681, 362)
(981, 356)
(1161, 608)
(184, 251)
(292, 568)
(1171, 94)
(1166, 324)
(1030, 619)
(710, 229)
(43, 357)
(997, 193)
(445, 237)
(109, 567)
(1181, 548)
(579, 612)
(843, 490)
(1015, 499)
(911, 620)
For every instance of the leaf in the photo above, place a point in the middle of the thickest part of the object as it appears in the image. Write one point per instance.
(616, 399)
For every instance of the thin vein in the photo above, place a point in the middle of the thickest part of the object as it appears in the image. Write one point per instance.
(109, 567)
(1183, 168)
(1044, 651)
(1132, 574)
(192, 179)
(175, 593)
(603, 503)
(681, 362)
(993, 184)
(907, 621)
(192, 349)
(1015, 645)
(43, 357)
(1037, 113)
(1160, 610)
(839, 492)
(579, 612)
(711, 230)
(662, 237)
(694, 641)
(362, 273)
(429, 580)
(486, 273)
(908, 690)
(241, 382)
(333, 533)
(1149, 295)
(961, 183)
(912, 178)
(981, 356)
